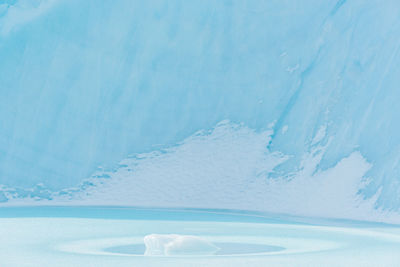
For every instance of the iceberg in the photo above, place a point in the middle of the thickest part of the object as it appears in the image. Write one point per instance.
(175, 245)
(112, 95)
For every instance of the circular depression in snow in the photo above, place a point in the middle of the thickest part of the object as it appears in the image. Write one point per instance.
(211, 246)
(225, 248)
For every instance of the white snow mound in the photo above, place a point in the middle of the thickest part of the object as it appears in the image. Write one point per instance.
(172, 244)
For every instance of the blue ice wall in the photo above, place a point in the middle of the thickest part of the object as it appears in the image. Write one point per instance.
(83, 84)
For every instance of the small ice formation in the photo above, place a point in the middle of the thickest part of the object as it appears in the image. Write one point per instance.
(172, 244)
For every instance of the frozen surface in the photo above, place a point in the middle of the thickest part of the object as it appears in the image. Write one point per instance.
(281, 106)
(88, 234)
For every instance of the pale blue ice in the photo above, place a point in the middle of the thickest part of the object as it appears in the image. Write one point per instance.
(273, 107)
(86, 84)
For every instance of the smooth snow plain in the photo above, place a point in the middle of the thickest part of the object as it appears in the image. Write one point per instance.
(99, 236)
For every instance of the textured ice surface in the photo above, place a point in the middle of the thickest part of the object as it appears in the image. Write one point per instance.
(118, 91)
(172, 244)
(229, 167)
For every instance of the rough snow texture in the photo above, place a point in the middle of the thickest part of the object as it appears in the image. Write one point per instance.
(310, 89)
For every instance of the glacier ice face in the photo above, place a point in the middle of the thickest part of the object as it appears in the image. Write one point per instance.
(84, 85)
